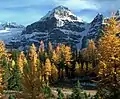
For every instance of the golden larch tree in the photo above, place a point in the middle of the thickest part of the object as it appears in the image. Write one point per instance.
(67, 54)
(21, 61)
(109, 66)
(32, 77)
(47, 70)
(92, 53)
(1, 83)
(33, 58)
(54, 73)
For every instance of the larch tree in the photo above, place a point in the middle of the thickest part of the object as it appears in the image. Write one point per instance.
(2, 49)
(33, 58)
(21, 61)
(41, 52)
(67, 54)
(31, 77)
(3, 54)
(41, 49)
(62, 60)
(47, 71)
(85, 58)
(109, 66)
(67, 60)
(54, 73)
(92, 53)
(50, 50)
(1, 83)
(56, 58)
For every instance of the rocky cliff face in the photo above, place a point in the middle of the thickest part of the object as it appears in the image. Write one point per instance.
(94, 29)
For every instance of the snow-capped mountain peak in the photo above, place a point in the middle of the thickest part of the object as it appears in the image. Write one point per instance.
(61, 13)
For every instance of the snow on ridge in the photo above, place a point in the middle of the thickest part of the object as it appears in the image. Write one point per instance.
(70, 32)
(8, 34)
(61, 13)
(3, 31)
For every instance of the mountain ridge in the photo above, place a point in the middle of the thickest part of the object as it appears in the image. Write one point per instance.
(59, 25)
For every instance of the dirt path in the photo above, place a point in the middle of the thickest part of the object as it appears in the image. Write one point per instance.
(69, 91)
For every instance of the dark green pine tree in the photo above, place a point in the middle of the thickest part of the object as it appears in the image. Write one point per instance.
(78, 92)
(60, 94)
(14, 73)
(100, 33)
(47, 92)
(85, 42)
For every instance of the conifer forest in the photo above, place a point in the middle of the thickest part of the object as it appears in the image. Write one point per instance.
(58, 72)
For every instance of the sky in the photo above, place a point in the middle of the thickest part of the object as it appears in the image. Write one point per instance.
(28, 11)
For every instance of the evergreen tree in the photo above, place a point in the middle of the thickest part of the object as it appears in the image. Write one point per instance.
(78, 92)
(12, 74)
(60, 94)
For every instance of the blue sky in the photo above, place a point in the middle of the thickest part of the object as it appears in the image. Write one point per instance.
(27, 11)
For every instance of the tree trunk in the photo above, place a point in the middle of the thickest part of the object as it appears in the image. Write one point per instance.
(86, 63)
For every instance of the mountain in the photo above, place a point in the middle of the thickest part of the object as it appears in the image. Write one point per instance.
(59, 25)
(93, 30)
(10, 31)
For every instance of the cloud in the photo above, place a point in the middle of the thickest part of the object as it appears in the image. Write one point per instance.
(28, 11)
(77, 4)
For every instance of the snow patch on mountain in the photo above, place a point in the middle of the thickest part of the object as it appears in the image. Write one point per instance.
(10, 31)
(62, 14)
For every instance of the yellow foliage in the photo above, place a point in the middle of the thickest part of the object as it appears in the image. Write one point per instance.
(56, 57)
(54, 72)
(67, 54)
(21, 61)
(109, 51)
(2, 50)
(1, 85)
(32, 80)
(47, 67)
(33, 58)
